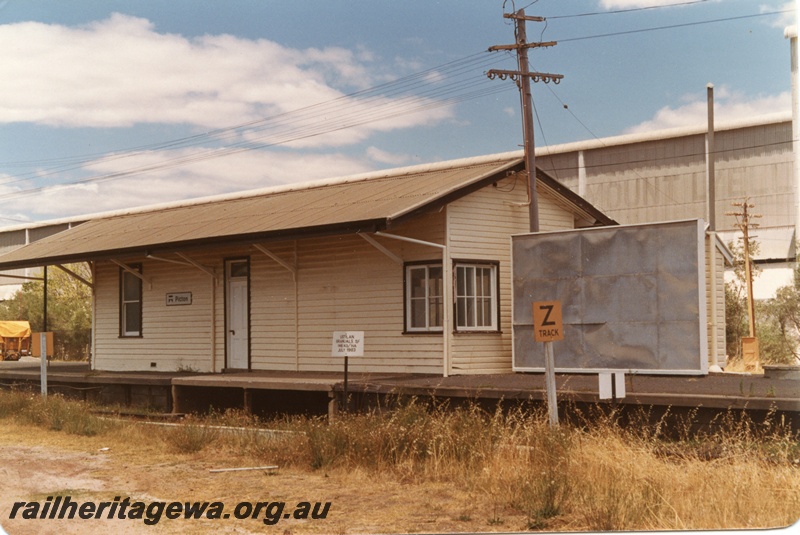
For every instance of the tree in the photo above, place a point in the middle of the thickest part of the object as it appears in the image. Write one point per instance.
(782, 315)
(69, 310)
(735, 319)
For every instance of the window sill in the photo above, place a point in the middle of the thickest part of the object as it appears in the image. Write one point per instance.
(477, 332)
(423, 333)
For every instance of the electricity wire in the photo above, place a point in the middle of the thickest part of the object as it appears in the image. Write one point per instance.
(673, 26)
(629, 10)
(347, 111)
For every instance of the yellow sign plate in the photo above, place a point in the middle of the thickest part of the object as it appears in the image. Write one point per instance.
(547, 323)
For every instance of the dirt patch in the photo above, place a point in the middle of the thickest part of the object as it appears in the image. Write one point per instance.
(34, 468)
(37, 464)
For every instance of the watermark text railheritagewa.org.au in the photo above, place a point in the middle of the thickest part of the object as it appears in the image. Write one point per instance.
(63, 507)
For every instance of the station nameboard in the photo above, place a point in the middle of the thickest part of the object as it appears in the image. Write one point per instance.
(179, 298)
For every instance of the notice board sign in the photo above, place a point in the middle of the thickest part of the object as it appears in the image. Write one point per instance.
(348, 344)
(633, 298)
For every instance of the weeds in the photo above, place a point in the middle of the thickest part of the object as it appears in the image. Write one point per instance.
(191, 436)
(53, 412)
(598, 474)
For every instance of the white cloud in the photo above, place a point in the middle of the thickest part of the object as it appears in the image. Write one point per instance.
(632, 4)
(728, 106)
(785, 19)
(120, 71)
(381, 156)
(164, 183)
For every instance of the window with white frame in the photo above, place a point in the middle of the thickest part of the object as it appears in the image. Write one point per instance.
(424, 298)
(130, 303)
(476, 297)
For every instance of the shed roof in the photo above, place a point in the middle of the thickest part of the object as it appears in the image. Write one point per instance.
(363, 203)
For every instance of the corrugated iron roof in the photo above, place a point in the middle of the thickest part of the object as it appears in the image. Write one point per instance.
(361, 204)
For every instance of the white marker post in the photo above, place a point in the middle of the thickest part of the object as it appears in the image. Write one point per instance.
(547, 327)
(347, 344)
(611, 386)
(43, 364)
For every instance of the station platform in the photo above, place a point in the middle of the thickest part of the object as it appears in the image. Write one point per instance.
(319, 392)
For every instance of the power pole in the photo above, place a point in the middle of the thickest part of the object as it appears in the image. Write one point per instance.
(744, 223)
(523, 78)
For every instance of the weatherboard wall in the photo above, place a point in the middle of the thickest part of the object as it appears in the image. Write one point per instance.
(479, 229)
(322, 285)
(715, 301)
(175, 337)
(340, 283)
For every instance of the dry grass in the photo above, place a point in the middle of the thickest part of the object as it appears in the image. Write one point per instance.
(413, 468)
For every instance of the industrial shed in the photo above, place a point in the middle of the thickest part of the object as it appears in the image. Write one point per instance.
(661, 176)
(261, 280)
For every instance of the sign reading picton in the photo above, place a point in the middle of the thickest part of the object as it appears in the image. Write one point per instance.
(179, 299)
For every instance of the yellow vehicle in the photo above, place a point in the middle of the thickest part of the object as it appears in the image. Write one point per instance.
(15, 339)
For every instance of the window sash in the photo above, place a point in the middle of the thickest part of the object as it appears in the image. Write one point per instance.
(476, 297)
(475, 303)
(424, 298)
(130, 304)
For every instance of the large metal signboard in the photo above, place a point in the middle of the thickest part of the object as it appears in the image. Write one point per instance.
(632, 298)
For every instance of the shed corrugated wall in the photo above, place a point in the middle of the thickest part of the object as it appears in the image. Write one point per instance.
(662, 180)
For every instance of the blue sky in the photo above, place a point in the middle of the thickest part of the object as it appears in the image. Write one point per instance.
(113, 104)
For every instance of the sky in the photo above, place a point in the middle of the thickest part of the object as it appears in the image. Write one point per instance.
(116, 104)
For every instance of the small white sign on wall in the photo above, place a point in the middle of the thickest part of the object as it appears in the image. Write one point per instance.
(348, 344)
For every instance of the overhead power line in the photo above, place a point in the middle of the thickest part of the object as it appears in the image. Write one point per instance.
(406, 96)
(673, 26)
(630, 10)
(444, 85)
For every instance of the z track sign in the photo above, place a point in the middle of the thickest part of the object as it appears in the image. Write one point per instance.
(547, 323)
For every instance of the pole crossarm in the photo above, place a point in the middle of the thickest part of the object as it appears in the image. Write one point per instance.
(520, 46)
(545, 77)
(523, 79)
(520, 15)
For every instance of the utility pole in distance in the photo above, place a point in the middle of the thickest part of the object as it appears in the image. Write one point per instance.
(744, 223)
(523, 78)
